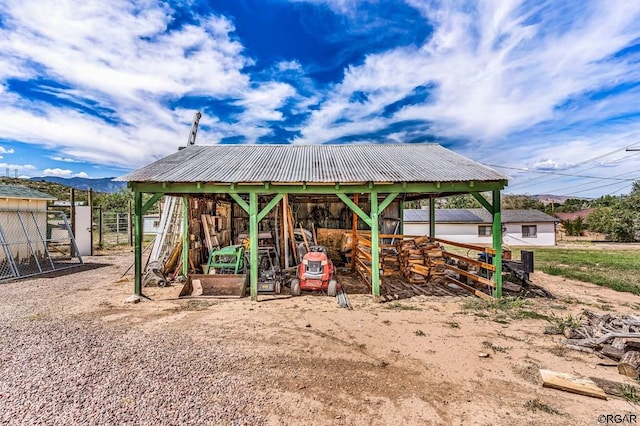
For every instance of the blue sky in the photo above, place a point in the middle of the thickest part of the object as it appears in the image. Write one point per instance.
(544, 91)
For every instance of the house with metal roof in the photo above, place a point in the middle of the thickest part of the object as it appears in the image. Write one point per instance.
(475, 226)
(258, 177)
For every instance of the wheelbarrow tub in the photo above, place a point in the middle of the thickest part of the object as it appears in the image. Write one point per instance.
(214, 286)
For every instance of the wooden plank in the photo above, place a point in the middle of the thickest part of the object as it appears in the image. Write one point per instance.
(474, 277)
(292, 238)
(361, 263)
(304, 238)
(359, 251)
(470, 289)
(207, 233)
(364, 242)
(569, 383)
(470, 261)
(488, 250)
(354, 229)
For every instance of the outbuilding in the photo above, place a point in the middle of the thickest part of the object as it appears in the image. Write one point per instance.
(257, 177)
(32, 239)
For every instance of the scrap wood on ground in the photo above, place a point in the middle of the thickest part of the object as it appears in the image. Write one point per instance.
(609, 335)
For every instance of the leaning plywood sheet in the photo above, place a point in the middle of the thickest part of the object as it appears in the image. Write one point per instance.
(569, 383)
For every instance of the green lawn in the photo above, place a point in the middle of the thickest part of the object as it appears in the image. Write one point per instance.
(616, 269)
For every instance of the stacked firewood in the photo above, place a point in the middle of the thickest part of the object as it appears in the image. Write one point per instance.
(420, 260)
(616, 337)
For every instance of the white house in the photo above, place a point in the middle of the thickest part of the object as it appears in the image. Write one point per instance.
(519, 227)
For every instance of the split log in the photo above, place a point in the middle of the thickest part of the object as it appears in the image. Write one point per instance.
(612, 352)
(629, 364)
(569, 383)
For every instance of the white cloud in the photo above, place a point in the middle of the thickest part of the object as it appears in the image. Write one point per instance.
(81, 175)
(129, 69)
(4, 150)
(65, 173)
(63, 159)
(494, 70)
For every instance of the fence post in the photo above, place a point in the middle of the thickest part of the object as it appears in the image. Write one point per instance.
(90, 202)
(72, 216)
(117, 228)
(100, 236)
(129, 225)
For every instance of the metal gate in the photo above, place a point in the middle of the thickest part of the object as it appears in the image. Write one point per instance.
(35, 242)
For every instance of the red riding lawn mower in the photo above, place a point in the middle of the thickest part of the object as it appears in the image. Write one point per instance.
(315, 273)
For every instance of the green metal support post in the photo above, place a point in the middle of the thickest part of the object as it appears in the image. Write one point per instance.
(253, 241)
(185, 236)
(375, 253)
(497, 244)
(137, 249)
(432, 217)
(401, 209)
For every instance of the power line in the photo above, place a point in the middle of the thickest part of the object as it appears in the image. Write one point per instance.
(536, 180)
(557, 173)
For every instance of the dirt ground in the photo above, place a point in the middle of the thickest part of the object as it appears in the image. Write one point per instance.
(415, 361)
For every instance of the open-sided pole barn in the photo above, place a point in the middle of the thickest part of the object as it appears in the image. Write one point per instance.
(247, 173)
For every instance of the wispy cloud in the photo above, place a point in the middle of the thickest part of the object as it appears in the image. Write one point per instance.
(133, 66)
(4, 150)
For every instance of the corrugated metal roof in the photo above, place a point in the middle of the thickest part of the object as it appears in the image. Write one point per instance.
(17, 191)
(477, 216)
(314, 163)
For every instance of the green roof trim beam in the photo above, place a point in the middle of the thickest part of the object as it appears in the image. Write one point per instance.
(151, 202)
(238, 199)
(265, 211)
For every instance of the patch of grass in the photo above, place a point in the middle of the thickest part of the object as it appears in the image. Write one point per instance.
(532, 315)
(563, 323)
(559, 351)
(453, 324)
(419, 333)
(503, 304)
(615, 269)
(537, 405)
(495, 348)
(570, 301)
(630, 393)
(397, 306)
(503, 309)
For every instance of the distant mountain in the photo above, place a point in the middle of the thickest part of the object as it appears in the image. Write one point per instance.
(550, 198)
(98, 185)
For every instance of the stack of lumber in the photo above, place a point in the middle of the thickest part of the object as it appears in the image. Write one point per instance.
(616, 337)
(420, 260)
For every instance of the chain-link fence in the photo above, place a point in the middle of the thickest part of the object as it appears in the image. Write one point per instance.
(35, 242)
